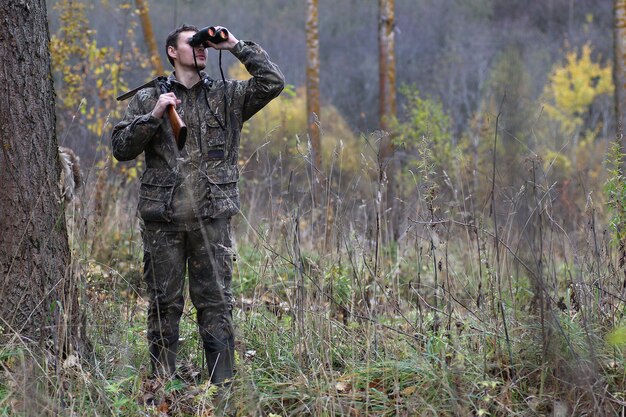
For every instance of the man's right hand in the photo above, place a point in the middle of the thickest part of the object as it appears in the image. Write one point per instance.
(165, 100)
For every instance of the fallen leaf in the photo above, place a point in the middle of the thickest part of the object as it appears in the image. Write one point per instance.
(71, 362)
(343, 387)
(164, 408)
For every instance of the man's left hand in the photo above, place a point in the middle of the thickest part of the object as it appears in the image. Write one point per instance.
(228, 44)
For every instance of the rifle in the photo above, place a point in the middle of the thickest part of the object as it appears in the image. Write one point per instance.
(162, 84)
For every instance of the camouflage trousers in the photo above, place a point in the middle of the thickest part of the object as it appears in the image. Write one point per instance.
(207, 255)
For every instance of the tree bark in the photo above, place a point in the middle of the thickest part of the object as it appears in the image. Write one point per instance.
(313, 96)
(619, 80)
(148, 35)
(387, 59)
(619, 68)
(38, 301)
(387, 82)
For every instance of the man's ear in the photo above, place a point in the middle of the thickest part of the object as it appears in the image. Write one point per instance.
(172, 52)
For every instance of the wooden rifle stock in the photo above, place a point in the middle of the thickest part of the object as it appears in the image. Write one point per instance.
(178, 126)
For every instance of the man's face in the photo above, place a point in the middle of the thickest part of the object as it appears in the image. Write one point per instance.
(183, 53)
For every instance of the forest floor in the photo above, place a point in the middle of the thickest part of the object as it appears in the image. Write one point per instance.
(457, 317)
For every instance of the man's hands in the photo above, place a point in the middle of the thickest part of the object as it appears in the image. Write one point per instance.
(228, 44)
(169, 99)
(165, 100)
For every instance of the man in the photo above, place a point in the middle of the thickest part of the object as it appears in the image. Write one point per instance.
(188, 196)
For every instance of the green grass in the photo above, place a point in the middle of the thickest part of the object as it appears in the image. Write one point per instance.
(438, 323)
(314, 347)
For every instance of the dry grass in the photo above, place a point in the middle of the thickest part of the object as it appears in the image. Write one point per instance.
(457, 317)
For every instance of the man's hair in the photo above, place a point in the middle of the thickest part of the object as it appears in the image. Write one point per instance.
(172, 38)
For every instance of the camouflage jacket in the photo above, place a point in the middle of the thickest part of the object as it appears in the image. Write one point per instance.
(181, 188)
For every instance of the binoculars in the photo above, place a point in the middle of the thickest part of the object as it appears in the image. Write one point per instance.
(209, 33)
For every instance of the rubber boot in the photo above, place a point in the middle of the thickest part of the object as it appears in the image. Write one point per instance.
(221, 365)
(163, 358)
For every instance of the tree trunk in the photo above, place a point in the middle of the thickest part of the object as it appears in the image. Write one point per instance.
(313, 96)
(148, 35)
(619, 68)
(387, 82)
(38, 298)
(619, 80)
(387, 59)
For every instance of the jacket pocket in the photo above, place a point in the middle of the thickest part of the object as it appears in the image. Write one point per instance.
(223, 191)
(213, 133)
(155, 195)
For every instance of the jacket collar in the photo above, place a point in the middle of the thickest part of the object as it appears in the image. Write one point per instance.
(204, 79)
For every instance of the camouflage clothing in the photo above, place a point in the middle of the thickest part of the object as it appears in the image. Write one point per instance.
(179, 189)
(208, 255)
(187, 198)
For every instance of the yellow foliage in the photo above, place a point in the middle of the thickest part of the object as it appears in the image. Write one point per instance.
(556, 161)
(283, 123)
(85, 73)
(573, 86)
(88, 76)
(238, 72)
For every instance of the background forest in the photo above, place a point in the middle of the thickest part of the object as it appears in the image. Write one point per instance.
(489, 282)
